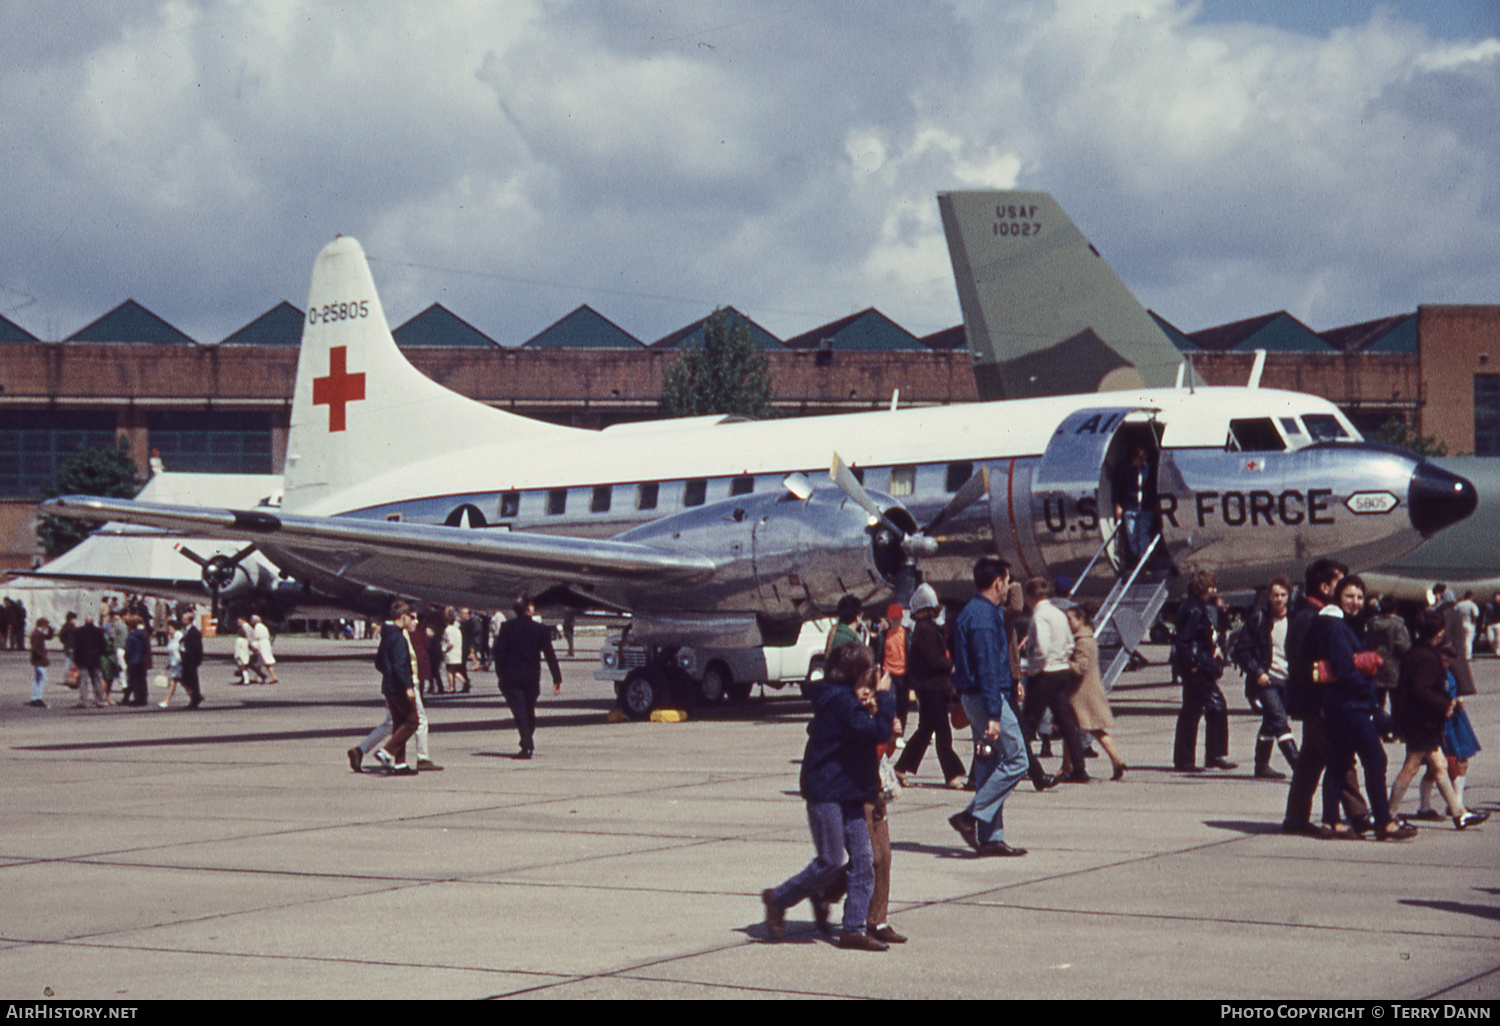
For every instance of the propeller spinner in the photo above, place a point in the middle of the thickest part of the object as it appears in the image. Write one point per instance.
(912, 543)
(218, 571)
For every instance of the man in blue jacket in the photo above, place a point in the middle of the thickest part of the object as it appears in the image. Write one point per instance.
(981, 676)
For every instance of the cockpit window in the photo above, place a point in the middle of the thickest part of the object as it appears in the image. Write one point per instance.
(1290, 426)
(1325, 427)
(1256, 434)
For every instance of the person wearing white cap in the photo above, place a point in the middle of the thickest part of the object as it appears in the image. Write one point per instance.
(929, 670)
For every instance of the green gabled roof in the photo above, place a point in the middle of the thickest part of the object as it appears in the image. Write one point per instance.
(948, 340)
(1179, 338)
(13, 332)
(131, 322)
(439, 327)
(694, 333)
(1396, 334)
(279, 326)
(868, 330)
(1277, 332)
(584, 328)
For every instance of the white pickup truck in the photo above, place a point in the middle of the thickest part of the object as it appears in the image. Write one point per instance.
(647, 677)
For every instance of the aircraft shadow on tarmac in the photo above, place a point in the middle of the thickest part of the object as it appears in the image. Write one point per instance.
(587, 714)
(1463, 908)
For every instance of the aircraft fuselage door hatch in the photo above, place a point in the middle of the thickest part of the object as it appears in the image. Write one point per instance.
(1072, 505)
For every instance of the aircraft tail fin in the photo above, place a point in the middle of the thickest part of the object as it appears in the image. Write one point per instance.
(1044, 314)
(359, 406)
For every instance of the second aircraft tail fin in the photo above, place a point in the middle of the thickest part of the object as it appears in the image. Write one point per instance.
(1044, 314)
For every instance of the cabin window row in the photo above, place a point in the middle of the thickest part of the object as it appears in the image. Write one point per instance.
(602, 498)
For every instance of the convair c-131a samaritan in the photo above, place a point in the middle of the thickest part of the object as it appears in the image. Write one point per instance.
(730, 532)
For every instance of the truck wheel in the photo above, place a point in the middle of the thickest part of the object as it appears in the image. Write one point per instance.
(640, 694)
(714, 685)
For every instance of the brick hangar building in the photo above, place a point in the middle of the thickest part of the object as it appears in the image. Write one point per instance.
(224, 407)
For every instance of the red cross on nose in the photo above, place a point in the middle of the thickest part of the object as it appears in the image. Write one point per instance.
(338, 388)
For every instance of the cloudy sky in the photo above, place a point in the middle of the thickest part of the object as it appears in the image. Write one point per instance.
(511, 160)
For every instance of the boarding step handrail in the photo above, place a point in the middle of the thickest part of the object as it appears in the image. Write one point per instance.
(1142, 594)
(1112, 602)
(1098, 554)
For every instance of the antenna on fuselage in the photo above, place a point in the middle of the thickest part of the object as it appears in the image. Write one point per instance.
(1257, 369)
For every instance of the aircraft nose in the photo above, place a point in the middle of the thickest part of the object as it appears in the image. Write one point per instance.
(1438, 498)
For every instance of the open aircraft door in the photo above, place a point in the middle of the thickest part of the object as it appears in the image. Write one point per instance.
(1068, 492)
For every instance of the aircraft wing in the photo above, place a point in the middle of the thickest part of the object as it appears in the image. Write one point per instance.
(354, 540)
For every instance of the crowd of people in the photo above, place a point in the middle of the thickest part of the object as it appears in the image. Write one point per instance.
(1342, 663)
(1357, 676)
(115, 647)
(978, 676)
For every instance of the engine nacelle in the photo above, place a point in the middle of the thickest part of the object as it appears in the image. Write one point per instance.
(780, 557)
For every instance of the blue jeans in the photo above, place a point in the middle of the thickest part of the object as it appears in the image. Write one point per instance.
(836, 827)
(996, 777)
(1135, 535)
(1271, 701)
(1352, 732)
(38, 682)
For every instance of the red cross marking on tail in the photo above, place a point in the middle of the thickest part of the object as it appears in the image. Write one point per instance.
(338, 388)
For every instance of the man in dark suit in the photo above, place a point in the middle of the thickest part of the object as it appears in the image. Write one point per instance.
(192, 658)
(519, 648)
(88, 653)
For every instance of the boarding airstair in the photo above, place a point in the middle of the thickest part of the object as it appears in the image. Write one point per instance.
(1129, 611)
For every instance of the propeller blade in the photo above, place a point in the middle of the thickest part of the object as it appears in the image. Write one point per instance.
(190, 554)
(850, 486)
(235, 559)
(970, 493)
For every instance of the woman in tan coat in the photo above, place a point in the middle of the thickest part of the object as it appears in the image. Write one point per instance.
(1088, 699)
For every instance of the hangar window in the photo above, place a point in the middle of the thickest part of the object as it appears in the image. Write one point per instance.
(1255, 434)
(958, 473)
(212, 441)
(903, 481)
(557, 501)
(1487, 415)
(34, 442)
(645, 495)
(695, 492)
(742, 485)
(510, 504)
(603, 494)
(1324, 427)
